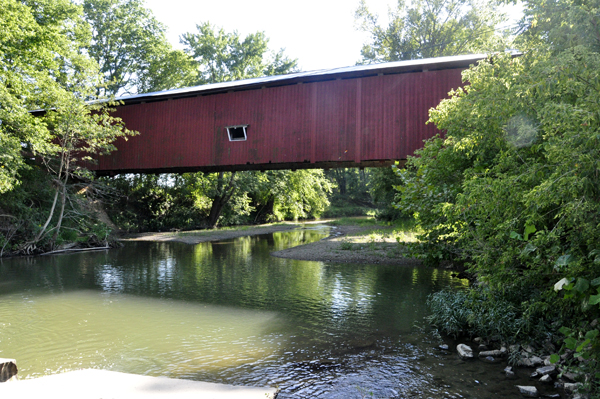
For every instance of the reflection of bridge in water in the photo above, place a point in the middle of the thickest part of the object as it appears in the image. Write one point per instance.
(367, 115)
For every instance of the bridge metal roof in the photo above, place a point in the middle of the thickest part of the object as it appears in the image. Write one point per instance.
(358, 71)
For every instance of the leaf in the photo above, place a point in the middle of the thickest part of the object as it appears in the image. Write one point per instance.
(596, 255)
(595, 282)
(570, 343)
(529, 248)
(529, 229)
(554, 358)
(514, 234)
(565, 330)
(559, 286)
(582, 285)
(562, 261)
(592, 334)
(583, 345)
(594, 299)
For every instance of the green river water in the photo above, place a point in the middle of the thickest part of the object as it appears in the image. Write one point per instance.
(229, 312)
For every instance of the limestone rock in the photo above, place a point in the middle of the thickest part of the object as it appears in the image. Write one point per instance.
(528, 391)
(546, 370)
(509, 373)
(464, 351)
(546, 379)
(570, 376)
(8, 370)
(444, 347)
(570, 387)
(552, 396)
(536, 361)
(494, 353)
(525, 362)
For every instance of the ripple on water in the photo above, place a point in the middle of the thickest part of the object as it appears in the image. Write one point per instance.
(228, 312)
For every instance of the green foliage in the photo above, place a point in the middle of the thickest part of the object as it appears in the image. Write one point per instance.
(43, 68)
(560, 25)
(35, 49)
(382, 184)
(430, 28)
(476, 313)
(222, 56)
(350, 192)
(155, 203)
(131, 48)
(513, 190)
(354, 221)
(346, 245)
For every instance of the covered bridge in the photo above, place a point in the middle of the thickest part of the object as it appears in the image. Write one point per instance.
(368, 115)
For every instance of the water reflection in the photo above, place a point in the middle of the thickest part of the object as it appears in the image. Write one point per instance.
(222, 311)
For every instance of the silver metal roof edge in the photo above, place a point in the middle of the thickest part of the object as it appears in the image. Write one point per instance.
(450, 61)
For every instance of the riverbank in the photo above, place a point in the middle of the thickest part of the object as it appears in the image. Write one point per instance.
(198, 236)
(354, 244)
(352, 240)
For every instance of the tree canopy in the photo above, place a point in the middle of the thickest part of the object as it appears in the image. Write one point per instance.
(223, 56)
(45, 80)
(512, 189)
(131, 49)
(430, 28)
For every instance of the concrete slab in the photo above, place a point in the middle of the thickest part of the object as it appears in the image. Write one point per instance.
(103, 384)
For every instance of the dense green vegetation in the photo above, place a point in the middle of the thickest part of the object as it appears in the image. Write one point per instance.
(187, 201)
(59, 55)
(512, 190)
(43, 67)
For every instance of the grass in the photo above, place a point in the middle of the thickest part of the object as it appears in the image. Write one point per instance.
(231, 228)
(354, 221)
(219, 229)
(403, 230)
(377, 237)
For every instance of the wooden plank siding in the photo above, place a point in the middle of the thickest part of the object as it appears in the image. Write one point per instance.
(356, 121)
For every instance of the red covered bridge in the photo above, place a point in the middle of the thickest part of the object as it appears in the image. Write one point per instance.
(359, 116)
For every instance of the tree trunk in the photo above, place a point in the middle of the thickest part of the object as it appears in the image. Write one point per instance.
(220, 199)
(63, 200)
(265, 211)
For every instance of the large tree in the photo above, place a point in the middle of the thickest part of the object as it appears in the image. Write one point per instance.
(223, 56)
(34, 50)
(557, 25)
(430, 28)
(130, 46)
(512, 190)
(43, 68)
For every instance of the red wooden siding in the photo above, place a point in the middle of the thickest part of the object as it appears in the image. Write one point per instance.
(357, 121)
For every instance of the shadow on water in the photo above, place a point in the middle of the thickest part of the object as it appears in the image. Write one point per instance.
(229, 312)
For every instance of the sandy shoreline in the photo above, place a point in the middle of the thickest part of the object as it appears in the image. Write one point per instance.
(345, 244)
(198, 236)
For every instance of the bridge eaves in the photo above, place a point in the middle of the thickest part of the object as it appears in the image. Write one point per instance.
(351, 72)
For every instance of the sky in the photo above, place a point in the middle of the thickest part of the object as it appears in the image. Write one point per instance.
(321, 34)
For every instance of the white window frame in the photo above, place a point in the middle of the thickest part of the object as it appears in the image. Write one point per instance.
(244, 127)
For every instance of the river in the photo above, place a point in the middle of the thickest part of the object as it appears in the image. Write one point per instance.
(229, 312)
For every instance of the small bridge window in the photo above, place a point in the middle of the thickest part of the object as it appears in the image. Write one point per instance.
(237, 133)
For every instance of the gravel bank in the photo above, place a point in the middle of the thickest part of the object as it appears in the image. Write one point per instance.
(346, 245)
